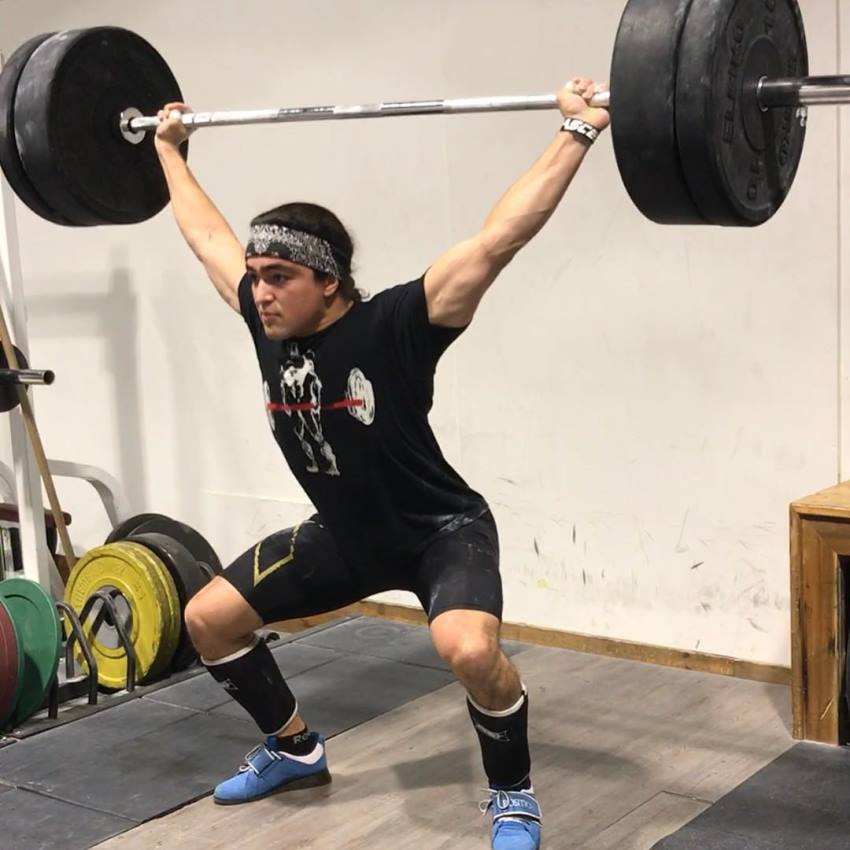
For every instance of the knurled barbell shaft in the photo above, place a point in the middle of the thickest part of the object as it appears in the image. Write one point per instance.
(371, 110)
(777, 93)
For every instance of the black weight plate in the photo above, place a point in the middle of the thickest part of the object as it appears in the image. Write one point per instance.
(739, 161)
(188, 579)
(8, 392)
(10, 161)
(179, 531)
(67, 108)
(643, 110)
(208, 572)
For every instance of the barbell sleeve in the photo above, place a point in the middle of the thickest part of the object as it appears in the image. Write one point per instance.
(804, 91)
(26, 376)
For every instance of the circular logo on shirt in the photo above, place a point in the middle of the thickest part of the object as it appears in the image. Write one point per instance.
(359, 390)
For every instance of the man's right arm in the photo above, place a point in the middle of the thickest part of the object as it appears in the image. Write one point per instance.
(203, 227)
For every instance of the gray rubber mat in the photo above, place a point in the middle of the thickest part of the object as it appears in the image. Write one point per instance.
(106, 772)
(203, 693)
(353, 689)
(800, 801)
(137, 760)
(35, 822)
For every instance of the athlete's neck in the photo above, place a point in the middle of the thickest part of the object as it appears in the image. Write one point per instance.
(337, 309)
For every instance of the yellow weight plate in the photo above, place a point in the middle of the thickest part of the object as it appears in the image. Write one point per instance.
(161, 575)
(146, 599)
(175, 618)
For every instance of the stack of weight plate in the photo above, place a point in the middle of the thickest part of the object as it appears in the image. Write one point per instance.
(151, 566)
(30, 645)
(61, 97)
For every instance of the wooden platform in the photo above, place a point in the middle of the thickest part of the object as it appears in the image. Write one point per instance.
(624, 754)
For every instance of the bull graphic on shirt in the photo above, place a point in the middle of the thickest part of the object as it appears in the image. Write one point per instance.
(302, 398)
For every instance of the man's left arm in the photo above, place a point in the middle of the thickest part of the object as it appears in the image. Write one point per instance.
(455, 284)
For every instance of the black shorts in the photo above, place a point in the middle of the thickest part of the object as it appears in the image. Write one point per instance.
(300, 572)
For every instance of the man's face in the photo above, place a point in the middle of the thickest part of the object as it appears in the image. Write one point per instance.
(289, 298)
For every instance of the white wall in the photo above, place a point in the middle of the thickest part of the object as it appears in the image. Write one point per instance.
(639, 403)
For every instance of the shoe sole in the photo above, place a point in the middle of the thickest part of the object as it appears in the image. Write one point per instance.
(314, 781)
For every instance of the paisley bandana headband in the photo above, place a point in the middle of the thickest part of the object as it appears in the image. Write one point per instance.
(272, 240)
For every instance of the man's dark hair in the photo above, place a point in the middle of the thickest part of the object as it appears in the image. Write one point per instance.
(321, 222)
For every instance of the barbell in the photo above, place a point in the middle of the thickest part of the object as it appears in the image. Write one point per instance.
(708, 99)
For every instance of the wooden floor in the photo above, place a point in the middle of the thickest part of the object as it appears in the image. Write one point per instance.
(624, 753)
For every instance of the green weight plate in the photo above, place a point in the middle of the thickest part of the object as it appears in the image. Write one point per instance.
(39, 642)
(179, 531)
(11, 665)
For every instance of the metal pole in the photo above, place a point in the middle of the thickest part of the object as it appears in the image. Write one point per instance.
(132, 123)
(37, 561)
(805, 91)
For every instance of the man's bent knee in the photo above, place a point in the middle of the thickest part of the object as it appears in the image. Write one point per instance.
(472, 658)
(219, 620)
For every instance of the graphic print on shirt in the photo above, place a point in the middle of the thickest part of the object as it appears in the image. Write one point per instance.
(302, 398)
(267, 395)
(361, 397)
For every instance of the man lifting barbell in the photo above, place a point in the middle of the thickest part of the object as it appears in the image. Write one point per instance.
(348, 385)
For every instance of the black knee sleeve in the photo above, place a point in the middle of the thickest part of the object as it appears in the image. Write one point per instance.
(504, 744)
(252, 677)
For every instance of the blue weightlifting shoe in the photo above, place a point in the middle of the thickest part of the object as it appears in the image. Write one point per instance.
(516, 820)
(268, 770)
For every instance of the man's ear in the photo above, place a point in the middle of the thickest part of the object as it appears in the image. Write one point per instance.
(331, 286)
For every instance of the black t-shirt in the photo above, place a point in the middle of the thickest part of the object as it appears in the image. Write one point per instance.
(349, 407)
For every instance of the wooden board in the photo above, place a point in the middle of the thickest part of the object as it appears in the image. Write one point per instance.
(817, 625)
(686, 659)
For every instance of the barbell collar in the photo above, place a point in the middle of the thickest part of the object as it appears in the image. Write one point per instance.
(130, 123)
